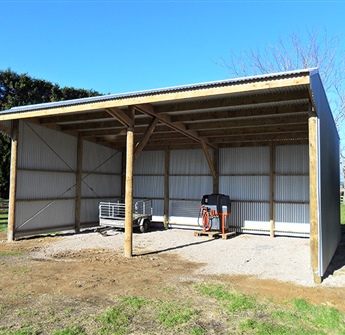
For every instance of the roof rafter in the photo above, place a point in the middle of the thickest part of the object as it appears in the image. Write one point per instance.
(166, 119)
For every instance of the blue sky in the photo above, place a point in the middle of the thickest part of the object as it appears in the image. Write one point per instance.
(122, 46)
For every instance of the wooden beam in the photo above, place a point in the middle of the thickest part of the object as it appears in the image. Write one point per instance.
(209, 159)
(180, 127)
(79, 176)
(73, 118)
(216, 167)
(239, 112)
(272, 171)
(250, 101)
(151, 127)
(276, 121)
(314, 198)
(122, 117)
(166, 186)
(262, 129)
(13, 183)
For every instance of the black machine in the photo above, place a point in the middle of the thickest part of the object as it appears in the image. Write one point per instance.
(215, 210)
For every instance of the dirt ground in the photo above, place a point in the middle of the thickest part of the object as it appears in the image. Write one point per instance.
(50, 267)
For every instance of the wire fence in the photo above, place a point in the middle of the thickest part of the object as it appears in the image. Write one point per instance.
(3, 211)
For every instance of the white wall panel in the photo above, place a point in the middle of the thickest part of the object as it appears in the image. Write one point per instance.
(245, 187)
(292, 188)
(45, 149)
(189, 187)
(41, 185)
(148, 186)
(294, 213)
(101, 159)
(292, 159)
(44, 215)
(149, 162)
(89, 210)
(101, 185)
(188, 162)
(250, 215)
(158, 209)
(249, 160)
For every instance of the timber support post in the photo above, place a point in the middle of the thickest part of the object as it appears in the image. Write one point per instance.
(314, 197)
(13, 182)
(272, 171)
(78, 183)
(166, 186)
(129, 186)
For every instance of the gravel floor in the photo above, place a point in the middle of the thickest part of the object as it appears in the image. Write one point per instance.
(281, 258)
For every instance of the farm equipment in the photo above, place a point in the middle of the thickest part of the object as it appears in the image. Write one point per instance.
(214, 211)
(113, 214)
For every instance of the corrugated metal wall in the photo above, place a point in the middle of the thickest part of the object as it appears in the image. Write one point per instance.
(291, 190)
(46, 179)
(329, 177)
(189, 179)
(148, 180)
(47, 183)
(101, 180)
(244, 176)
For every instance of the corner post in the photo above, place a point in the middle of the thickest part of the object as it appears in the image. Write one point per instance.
(314, 197)
(13, 183)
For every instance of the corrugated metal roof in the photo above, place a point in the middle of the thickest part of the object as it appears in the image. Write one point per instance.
(198, 86)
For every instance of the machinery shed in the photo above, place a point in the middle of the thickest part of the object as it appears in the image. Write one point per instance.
(269, 142)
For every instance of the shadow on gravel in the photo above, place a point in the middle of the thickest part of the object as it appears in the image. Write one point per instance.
(338, 260)
(103, 230)
(175, 248)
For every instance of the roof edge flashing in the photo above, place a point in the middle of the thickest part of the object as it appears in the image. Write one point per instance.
(159, 91)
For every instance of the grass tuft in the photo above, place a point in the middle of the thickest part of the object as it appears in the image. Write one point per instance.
(342, 213)
(70, 331)
(233, 300)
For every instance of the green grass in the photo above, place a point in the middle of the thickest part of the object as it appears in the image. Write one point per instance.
(206, 309)
(255, 316)
(11, 253)
(3, 221)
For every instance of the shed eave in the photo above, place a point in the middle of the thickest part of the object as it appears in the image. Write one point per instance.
(249, 84)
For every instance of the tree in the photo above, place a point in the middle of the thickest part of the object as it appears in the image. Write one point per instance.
(300, 52)
(21, 89)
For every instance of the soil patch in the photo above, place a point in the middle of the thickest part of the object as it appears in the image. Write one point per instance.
(91, 267)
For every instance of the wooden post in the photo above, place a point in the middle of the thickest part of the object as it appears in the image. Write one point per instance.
(129, 194)
(216, 168)
(166, 186)
(272, 171)
(13, 183)
(78, 183)
(123, 173)
(313, 194)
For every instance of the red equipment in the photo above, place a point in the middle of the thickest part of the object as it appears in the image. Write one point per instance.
(215, 210)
